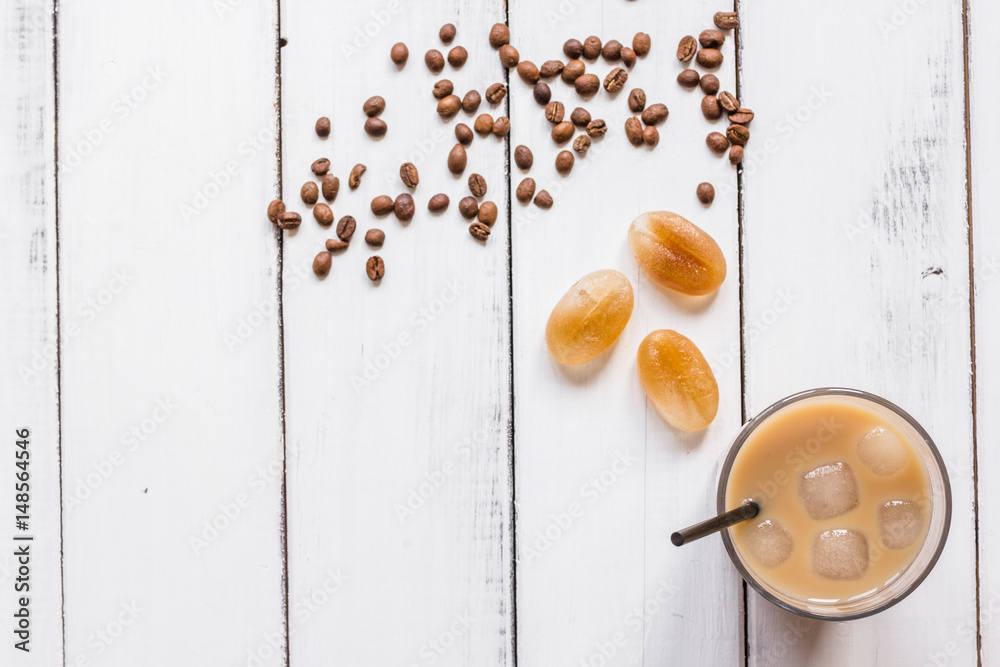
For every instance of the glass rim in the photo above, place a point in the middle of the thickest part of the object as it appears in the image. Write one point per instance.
(749, 428)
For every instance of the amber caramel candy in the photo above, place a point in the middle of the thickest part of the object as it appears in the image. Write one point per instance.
(589, 318)
(677, 254)
(677, 380)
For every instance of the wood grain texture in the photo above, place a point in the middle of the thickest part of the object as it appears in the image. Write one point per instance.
(399, 489)
(855, 204)
(172, 443)
(601, 479)
(28, 329)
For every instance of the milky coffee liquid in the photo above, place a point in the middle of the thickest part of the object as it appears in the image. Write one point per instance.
(844, 498)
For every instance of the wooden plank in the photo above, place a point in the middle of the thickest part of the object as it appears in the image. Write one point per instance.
(171, 395)
(601, 479)
(399, 491)
(29, 363)
(856, 203)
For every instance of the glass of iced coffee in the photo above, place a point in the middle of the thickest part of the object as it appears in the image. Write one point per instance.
(855, 503)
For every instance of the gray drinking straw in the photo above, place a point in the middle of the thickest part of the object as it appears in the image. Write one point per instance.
(747, 510)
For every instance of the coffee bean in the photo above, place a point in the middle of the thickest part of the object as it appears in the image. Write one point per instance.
(376, 127)
(728, 101)
(710, 107)
(525, 190)
(543, 199)
(709, 58)
(499, 35)
(706, 193)
(655, 114)
(587, 85)
(562, 132)
(597, 128)
(438, 203)
(735, 155)
(509, 57)
(468, 207)
(479, 231)
(641, 44)
(336, 245)
(709, 84)
(382, 205)
(346, 227)
(375, 237)
(457, 159)
(501, 126)
(375, 268)
(496, 93)
(322, 264)
(528, 72)
(464, 134)
(477, 185)
(688, 78)
(592, 47)
(309, 192)
(354, 180)
(323, 127)
(650, 136)
(686, 49)
(323, 214)
(434, 61)
(581, 144)
(573, 48)
(443, 89)
(330, 187)
(564, 162)
(637, 100)
(633, 131)
(447, 107)
(555, 111)
(612, 50)
(542, 92)
(399, 54)
(717, 142)
(471, 101)
(375, 105)
(738, 135)
(274, 209)
(320, 166)
(628, 57)
(711, 39)
(615, 80)
(573, 70)
(447, 33)
(551, 68)
(488, 213)
(409, 175)
(289, 220)
(483, 124)
(523, 157)
(726, 20)
(404, 207)
(457, 56)
(741, 116)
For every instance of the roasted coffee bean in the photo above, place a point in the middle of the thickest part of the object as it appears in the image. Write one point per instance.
(615, 80)
(551, 68)
(457, 159)
(376, 127)
(289, 220)
(581, 144)
(336, 245)
(274, 209)
(479, 231)
(528, 72)
(587, 85)
(735, 155)
(592, 47)
(443, 89)
(404, 207)
(375, 237)
(686, 48)
(501, 126)
(477, 185)
(447, 33)
(346, 227)
(375, 268)
(612, 50)
(488, 213)
(706, 193)
(464, 134)
(375, 105)
(709, 84)
(564, 162)
(457, 56)
(711, 39)
(650, 136)
(633, 131)
(323, 214)
(637, 100)
(738, 135)
(330, 187)
(320, 166)
(525, 190)
(483, 124)
(468, 207)
(726, 20)
(573, 48)
(717, 142)
(741, 116)
(323, 127)
(628, 56)
(688, 78)
(562, 132)
(641, 44)
(710, 107)
(655, 114)
(543, 199)
(382, 205)
(580, 117)
(471, 101)
(438, 203)
(409, 175)
(728, 101)
(499, 35)
(447, 107)
(322, 264)
(709, 58)
(434, 61)
(354, 180)
(542, 92)
(509, 57)
(523, 157)
(597, 128)
(399, 54)
(309, 192)
(496, 93)
(555, 111)
(573, 70)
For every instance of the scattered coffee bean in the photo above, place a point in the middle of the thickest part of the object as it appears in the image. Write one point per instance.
(375, 268)
(710, 107)
(587, 85)
(438, 203)
(274, 209)
(597, 128)
(709, 58)
(471, 101)
(464, 134)
(309, 192)
(706, 193)
(322, 264)
(289, 220)
(399, 54)
(615, 80)
(562, 132)
(496, 93)
(483, 124)
(376, 127)
(686, 48)
(612, 50)
(330, 187)
(509, 57)
(581, 144)
(655, 114)
(628, 56)
(404, 207)
(447, 33)
(633, 131)
(564, 162)
(323, 127)
(443, 89)
(323, 214)
(499, 35)
(573, 70)
(336, 245)
(501, 126)
(523, 157)
(637, 100)
(375, 105)
(468, 207)
(726, 20)
(409, 175)
(641, 44)
(728, 101)
(555, 111)
(434, 61)
(477, 185)
(382, 205)
(738, 135)
(711, 39)
(528, 72)
(354, 180)
(717, 142)
(580, 117)
(543, 199)
(479, 231)
(709, 84)
(457, 159)
(525, 190)
(320, 166)
(741, 116)
(457, 56)
(542, 92)
(688, 78)
(447, 107)
(573, 48)
(592, 47)
(735, 155)
(650, 136)
(346, 227)
(488, 213)
(375, 237)
(551, 68)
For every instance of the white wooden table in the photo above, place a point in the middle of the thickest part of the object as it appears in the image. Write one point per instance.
(234, 463)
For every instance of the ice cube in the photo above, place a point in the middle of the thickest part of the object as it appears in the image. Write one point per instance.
(882, 452)
(769, 543)
(829, 490)
(840, 554)
(900, 523)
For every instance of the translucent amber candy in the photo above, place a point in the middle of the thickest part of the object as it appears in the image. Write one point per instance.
(678, 380)
(676, 253)
(589, 318)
